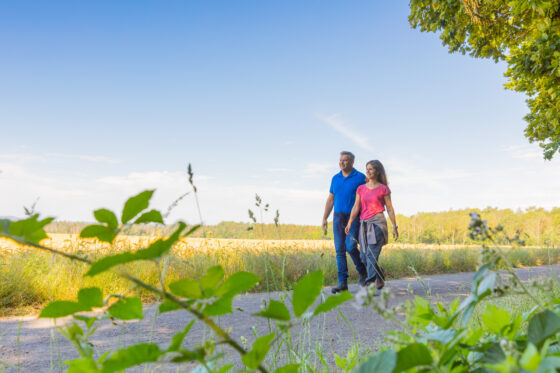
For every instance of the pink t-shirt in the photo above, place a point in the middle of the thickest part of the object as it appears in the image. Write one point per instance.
(372, 201)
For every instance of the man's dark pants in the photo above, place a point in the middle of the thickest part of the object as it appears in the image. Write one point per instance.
(343, 244)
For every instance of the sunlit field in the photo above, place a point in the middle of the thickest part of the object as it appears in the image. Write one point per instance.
(30, 278)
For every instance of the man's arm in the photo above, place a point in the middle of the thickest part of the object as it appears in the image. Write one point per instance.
(328, 208)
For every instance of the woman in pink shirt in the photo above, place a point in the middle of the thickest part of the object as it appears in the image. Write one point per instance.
(371, 200)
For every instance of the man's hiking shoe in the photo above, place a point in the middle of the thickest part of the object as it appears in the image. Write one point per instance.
(380, 281)
(339, 288)
(362, 280)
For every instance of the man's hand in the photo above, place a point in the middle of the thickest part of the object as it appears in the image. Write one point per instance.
(395, 234)
(325, 226)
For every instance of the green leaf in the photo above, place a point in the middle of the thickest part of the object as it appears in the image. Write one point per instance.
(168, 306)
(90, 297)
(30, 229)
(382, 362)
(127, 309)
(442, 336)
(212, 278)
(541, 326)
(85, 365)
(276, 310)
(531, 359)
(290, 368)
(221, 306)
(237, 283)
(108, 262)
(496, 319)
(106, 216)
(549, 364)
(155, 250)
(101, 232)
(186, 288)
(494, 354)
(178, 338)
(61, 308)
(332, 302)
(131, 356)
(413, 355)
(486, 285)
(152, 216)
(253, 358)
(306, 291)
(135, 205)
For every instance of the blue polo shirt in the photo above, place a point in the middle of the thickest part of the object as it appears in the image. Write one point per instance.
(344, 190)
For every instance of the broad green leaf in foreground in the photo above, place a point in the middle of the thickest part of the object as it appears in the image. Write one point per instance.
(127, 309)
(212, 278)
(155, 250)
(276, 310)
(186, 288)
(30, 229)
(131, 356)
(413, 355)
(237, 283)
(152, 216)
(87, 299)
(168, 306)
(135, 205)
(61, 308)
(106, 216)
(542, 326)
(90, 297)
(332, 302)
(220, 306)
(85, 365)
(306, 291)
(260, 348)
(101, 232)
(496, 318)
(382, 362)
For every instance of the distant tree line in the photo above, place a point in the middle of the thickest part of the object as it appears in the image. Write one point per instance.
(534, 226)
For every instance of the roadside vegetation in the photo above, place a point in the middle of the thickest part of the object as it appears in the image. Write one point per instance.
(31, 278)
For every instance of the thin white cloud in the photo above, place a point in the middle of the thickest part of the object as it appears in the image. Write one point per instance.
(314, 169)
(526, 151)
(28, 157)
(22, 157)
(338, 124)
(82, 157)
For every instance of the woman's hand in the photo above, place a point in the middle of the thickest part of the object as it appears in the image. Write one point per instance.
(395, 234)
(347, 229)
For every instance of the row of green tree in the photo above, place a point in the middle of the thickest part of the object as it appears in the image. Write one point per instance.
(534, 226)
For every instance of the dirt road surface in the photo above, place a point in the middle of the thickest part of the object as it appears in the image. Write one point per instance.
(35, 345)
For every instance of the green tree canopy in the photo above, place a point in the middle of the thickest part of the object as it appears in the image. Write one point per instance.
(523, 33)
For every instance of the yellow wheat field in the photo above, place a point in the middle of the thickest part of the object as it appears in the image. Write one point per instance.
(73, 243)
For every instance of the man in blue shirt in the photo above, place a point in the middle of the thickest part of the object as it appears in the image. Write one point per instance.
(342, 196)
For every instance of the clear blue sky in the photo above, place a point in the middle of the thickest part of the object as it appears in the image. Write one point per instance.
(103, 99)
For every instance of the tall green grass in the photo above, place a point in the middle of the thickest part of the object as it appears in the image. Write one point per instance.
(29, 279)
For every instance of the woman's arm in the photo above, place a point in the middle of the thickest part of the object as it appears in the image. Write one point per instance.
(353, 213)
(391, 212)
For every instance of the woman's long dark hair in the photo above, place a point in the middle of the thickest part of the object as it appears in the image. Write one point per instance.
(379, 171)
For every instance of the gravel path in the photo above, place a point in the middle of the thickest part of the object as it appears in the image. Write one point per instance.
(34, 345)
